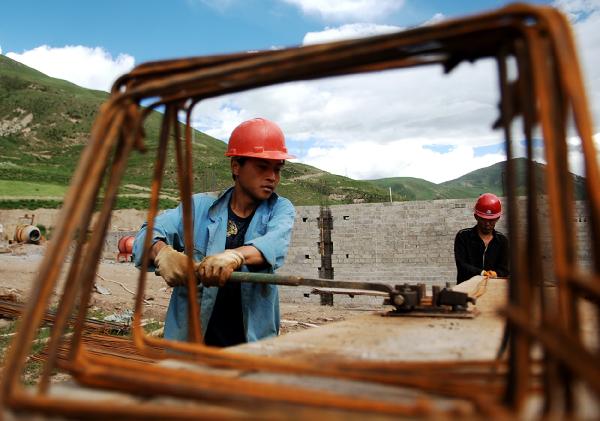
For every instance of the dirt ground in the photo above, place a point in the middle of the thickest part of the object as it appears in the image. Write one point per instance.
(116, 284)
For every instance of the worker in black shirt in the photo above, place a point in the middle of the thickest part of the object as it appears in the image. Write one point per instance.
(481, 250)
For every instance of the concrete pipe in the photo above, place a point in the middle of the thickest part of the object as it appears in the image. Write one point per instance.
(28, 234)
(125, 246)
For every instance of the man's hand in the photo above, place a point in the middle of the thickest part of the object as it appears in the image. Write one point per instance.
(215, 270)
(172, 266)
(489, 273)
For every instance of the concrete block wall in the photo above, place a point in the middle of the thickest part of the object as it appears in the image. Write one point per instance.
(303, 257)
(398, 242)
(406, 241)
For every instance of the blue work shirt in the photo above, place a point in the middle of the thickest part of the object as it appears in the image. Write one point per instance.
(269, 231)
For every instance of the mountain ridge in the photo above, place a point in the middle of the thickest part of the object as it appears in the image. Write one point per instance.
(45, 123)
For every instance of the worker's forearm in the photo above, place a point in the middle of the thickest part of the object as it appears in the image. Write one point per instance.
(252, 256)
(156, 248)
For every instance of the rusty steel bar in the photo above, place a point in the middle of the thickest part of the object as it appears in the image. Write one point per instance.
(550, 118)
(152, 211)
(79, 196)
(126, 375)
(518, 380)
(185, 178)
(93, 249)
(535, 270)
(96, 243)
(12, 310)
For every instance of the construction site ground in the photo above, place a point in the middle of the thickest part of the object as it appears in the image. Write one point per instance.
(353, 328)
(117, 282)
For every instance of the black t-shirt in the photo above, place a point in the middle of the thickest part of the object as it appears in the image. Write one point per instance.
(226, 325)
(472, 256)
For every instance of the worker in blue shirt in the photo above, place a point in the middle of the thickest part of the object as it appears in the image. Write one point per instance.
(247, 228)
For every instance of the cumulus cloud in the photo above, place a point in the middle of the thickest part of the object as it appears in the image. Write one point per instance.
(438, 17)
(577, 9)
(349, 31)
(585, 17)
(413, 122)
(92, 68)
(348, 10)
(405, 156)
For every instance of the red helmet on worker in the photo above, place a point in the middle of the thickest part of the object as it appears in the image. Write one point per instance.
(488, 206)
(258, 138)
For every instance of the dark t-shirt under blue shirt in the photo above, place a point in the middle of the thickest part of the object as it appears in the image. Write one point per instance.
(226, 325)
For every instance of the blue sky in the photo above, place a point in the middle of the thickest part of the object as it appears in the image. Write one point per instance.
(427, 126)
(160, 29)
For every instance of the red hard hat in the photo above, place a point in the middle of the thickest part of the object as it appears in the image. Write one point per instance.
(258, 138)
(488, 206)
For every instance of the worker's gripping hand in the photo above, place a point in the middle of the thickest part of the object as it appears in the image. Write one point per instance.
(172, 266)
(489, 273)
(215, 270)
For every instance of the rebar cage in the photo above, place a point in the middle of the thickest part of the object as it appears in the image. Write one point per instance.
(547, 89)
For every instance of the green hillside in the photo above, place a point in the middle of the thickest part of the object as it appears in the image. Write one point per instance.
(489, 179)
(409, 188)
(45, 124)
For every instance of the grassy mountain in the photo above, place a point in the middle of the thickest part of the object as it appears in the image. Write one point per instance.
(489, 179)
(45, 124)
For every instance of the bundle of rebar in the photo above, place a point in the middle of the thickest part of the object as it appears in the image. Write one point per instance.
(12, 310)
(97, 344)
(546, 89)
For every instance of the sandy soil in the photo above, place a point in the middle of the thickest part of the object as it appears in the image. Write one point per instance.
(117, 282)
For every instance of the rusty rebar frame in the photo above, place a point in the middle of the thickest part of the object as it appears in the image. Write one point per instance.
(548, 87)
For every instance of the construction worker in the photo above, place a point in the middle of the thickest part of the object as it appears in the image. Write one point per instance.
(481, 250)
(247, 228)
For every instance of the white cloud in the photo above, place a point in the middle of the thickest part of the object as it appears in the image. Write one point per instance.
(335, 123)
(577, 9)
(92, 68)
(348, 10)
(585, 17)
(438, 17)
(380, 125)
(405, 156)
(349, 31)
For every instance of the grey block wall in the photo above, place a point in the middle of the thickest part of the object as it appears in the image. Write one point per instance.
(401, 241)
(406, 241)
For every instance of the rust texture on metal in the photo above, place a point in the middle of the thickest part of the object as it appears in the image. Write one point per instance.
(546, 89)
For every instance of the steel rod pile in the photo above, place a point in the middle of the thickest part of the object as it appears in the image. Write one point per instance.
(546, 89)
(98, 344)
(13, 310)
